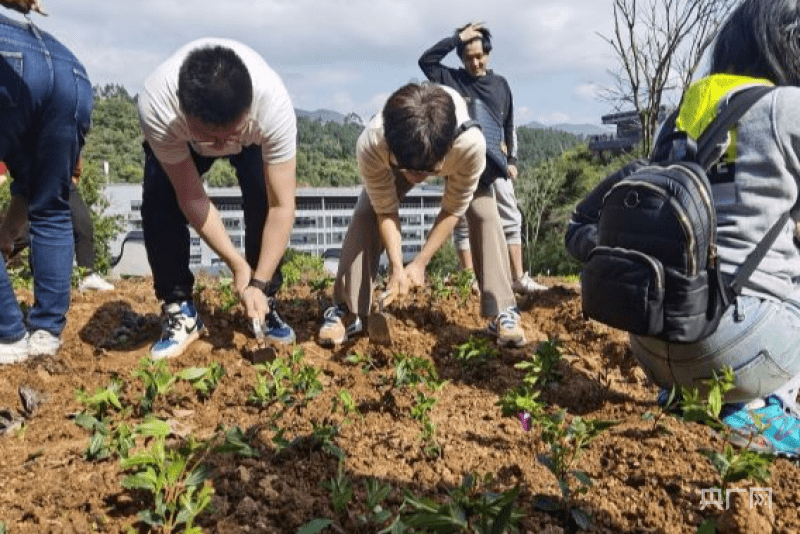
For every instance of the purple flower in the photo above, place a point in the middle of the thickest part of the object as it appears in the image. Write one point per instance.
(525, 419)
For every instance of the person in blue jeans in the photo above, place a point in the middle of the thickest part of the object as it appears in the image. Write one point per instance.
(757, 182)
(45, 112)
(212, 99)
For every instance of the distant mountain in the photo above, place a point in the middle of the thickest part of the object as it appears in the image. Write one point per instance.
(574, 129)
(327, 115)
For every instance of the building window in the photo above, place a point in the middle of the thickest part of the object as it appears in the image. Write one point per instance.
(195, 259)
(232, 224)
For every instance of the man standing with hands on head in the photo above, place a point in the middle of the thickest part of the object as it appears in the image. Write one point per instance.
(489, 99)
(216, 98)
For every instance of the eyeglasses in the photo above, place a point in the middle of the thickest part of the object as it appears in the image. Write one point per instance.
(415, 175)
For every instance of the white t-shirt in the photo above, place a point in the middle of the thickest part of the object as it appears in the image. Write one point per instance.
(270, 123)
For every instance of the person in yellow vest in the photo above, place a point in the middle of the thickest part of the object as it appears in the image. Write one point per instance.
(756, 182)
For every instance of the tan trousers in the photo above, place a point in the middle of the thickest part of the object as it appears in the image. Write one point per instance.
(362, 248)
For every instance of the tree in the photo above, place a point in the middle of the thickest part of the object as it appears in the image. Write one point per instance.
(659, 45)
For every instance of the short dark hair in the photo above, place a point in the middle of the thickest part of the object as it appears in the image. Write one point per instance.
(214, 86)
(486, 41)
(419, 123)
(761, 39)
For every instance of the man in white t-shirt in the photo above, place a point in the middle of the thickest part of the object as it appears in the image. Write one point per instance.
(216, 98)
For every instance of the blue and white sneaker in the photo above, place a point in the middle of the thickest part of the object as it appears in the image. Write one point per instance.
(507, 328)
(182, 325)
(781, 426)
(276, 328)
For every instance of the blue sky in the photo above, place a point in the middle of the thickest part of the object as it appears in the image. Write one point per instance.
(348, 55)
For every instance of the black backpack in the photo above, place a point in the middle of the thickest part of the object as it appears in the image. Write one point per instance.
(654, 271)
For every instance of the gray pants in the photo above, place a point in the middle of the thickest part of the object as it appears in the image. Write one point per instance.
(507, 208)
(759, 344)
(362, 248)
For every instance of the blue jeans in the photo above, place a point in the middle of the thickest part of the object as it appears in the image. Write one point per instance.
(166, 234)
(758, 339)
(45, 111)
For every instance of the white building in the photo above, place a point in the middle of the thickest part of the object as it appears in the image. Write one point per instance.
(321, 218)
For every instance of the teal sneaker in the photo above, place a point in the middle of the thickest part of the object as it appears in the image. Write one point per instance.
(781, 426)
(182, 325)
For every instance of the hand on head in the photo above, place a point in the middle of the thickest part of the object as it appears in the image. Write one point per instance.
(24, 6)
(470, 31)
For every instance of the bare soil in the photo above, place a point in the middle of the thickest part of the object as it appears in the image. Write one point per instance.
(644, 480)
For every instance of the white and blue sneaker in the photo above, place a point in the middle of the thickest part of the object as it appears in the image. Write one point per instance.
(507, 329)
(276, 328)
(182, 325)
(14, 351)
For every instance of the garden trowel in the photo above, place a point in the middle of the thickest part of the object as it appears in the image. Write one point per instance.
(378, 322)
(262, 352)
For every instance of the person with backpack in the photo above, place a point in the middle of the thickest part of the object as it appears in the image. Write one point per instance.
(45, 112)
(216, 99)
(422, 131)
(755, 182)
(481, 86)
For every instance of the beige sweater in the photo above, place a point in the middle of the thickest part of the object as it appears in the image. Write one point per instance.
(461, 168)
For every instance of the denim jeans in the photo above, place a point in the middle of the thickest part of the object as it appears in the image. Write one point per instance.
(758, 339)
(45, 111)
(166, 234)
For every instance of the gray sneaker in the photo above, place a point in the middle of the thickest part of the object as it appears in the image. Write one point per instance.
(14, 351)
(43, 343)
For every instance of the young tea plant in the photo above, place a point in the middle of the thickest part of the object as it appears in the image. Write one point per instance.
(157, 379)
(541, 369)
(175, 479)
(566, 442)
(475, 352)
(204, 379)
(341, 490)
(469, 510)
(227, 295)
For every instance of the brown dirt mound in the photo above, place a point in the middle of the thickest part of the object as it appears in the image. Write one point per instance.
(644, 479)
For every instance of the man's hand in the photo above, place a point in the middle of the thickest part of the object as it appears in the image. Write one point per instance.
(255, 303)
(513, 172)
(415, 274)
(24, 6)
(470, 31)
(398, 284)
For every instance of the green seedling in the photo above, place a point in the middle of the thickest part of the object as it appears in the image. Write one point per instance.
(227, 294)
(462, 282)
(422, 406)
(660, 411)
(366, 361)
(109, 440)
(430, 445)
(349, 405)
(2, 527)
(175, 480)
(468, 511)
(306, 380)
(439, 288)
(315, 526)
(411, 370)
(521, 399)
(475, 352)
(376, 492)
(541, 369)
(103, 400)
(324, 436)
(566, 442)
(157, 379)
(272, 384)
(236, 442)
(341, 490)
(204, 379)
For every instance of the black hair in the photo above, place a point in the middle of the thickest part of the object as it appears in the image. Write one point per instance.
(214, 86)
(485, 38)
(761, 39)
(419, 123)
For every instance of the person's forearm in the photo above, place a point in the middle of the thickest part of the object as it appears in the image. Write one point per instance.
(208, 225)
(389, 227)
(274, 241)
(441, 230)
(430, 62)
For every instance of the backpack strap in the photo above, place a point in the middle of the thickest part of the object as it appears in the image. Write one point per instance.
(466, 125)
(716, 132)
(743, 272)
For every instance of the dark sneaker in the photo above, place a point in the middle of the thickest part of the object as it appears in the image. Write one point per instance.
(182, 325)
(780, 434)
(276, 328)
(333, 330)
